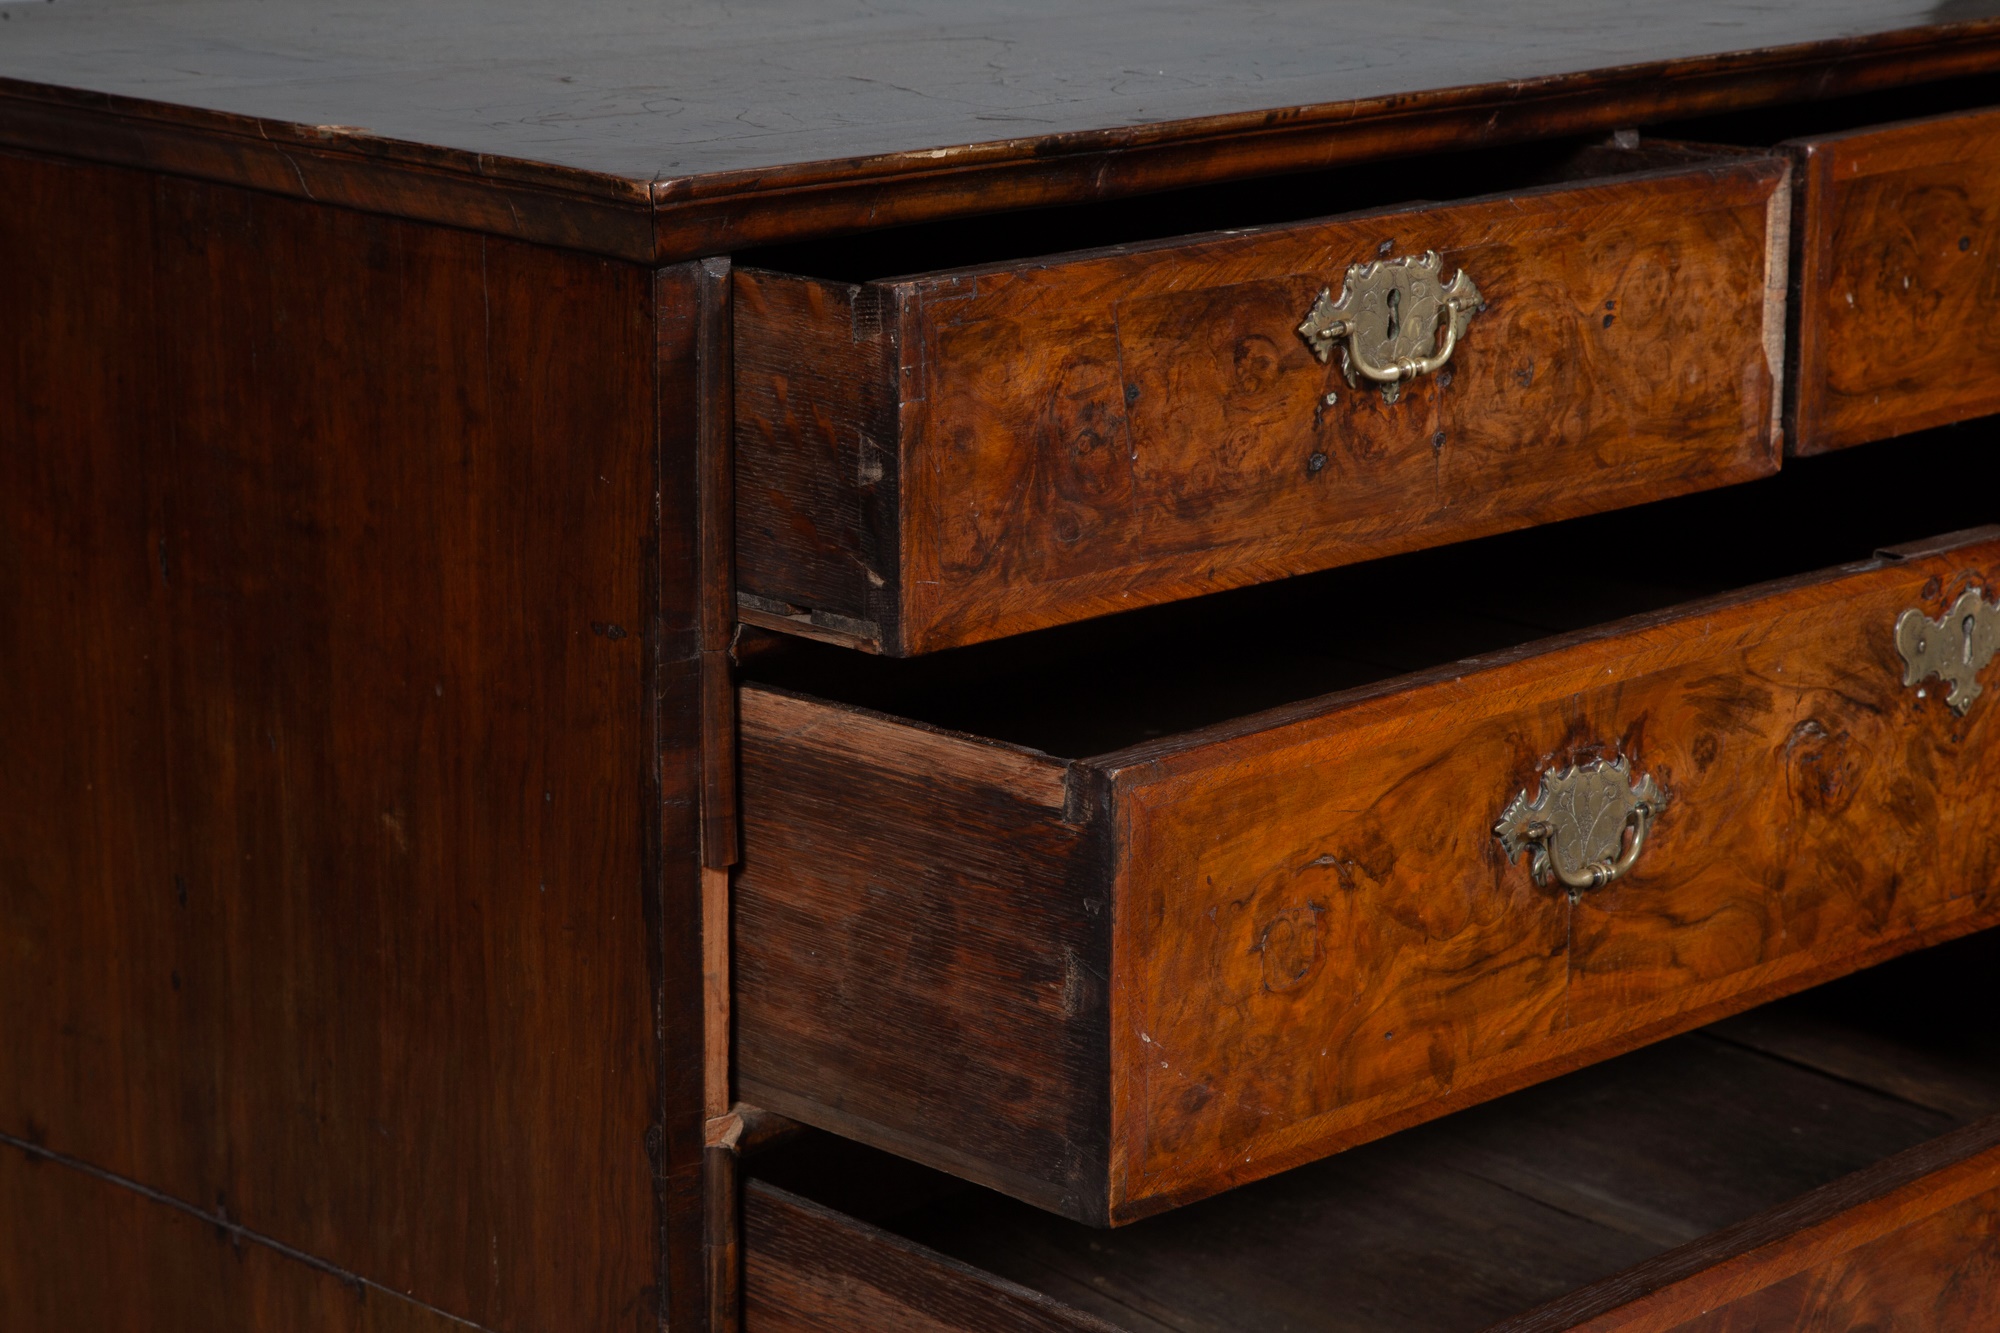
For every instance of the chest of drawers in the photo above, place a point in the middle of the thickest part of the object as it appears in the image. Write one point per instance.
(813, 670)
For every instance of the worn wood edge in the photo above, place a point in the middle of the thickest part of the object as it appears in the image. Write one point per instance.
(925, 1150)
(1942, 544)
(1781, 1242)
(784, 717)
(1811, 241)
(715, 543)
(1777, 291)
(663, 221)
(1308, 1146)
(722, 1237)
(335, 165)
(782, 1228)
(715, 980)
(765, 613)
(1148, 759)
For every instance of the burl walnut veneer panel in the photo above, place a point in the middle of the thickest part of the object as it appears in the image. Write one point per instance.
(326, 895)
(949, 458)
(1113, 985)
(1898, 280)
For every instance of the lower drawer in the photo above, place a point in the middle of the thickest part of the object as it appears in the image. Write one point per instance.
(1112, 985)
(1828, 1162)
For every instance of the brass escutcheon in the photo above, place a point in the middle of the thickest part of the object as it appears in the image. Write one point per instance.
(1955, 648)
(1398, 320)
(1576, 828)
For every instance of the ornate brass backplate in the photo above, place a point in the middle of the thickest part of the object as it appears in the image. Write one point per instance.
(1575, 826)
(1955, 648)
(1398, 318)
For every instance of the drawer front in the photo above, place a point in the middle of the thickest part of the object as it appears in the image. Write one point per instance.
(961, 456)
(1115, 986)
(1898, 280)
(1319, 936)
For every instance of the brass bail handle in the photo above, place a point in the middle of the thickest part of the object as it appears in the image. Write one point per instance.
(1409, 367)
(1596, 874)
(1395, 319)
(1585, 827)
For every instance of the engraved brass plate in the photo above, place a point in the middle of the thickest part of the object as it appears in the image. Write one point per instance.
(1395, 319)
(1955, 648)
(1575, 827)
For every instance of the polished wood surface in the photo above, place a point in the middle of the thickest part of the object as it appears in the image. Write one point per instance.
(1640, 1192)
(1898, 233)
(973, 453)
(347, 798)
(1315, 938)
(659, 137)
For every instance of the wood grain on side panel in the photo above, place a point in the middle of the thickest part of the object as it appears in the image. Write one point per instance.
(1898, 278)
(80, 1251)
(1319, 938)
(816, 455)
(323, 606)
(919, 934)
(809, 1269)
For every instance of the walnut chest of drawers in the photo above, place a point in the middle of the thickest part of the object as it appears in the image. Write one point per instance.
(999, 667)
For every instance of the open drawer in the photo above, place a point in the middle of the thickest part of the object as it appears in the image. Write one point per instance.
(1083, 924)
(1829, 1162)
(941, 459)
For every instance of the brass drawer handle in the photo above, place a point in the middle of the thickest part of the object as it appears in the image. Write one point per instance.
(1955, 648)
(1576, 826)
(1398, 317)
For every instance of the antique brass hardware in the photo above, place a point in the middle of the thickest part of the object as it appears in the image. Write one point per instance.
(1576, 825)
(1398, 318)
(1954, 648)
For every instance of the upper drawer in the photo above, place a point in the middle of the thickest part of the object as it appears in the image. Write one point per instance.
(1113, 984)
(937, 460)
(1898, 279)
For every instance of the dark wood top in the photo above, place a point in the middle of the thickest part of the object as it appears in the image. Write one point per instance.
(690, 111)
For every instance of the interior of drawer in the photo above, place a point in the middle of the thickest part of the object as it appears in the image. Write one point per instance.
(1091, 688)
(1492, 1211)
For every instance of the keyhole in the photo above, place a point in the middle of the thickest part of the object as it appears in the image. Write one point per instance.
(1968, 640)
(1395, 311)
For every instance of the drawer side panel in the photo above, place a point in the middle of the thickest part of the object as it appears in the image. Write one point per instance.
(920, 949)
(816, 455)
